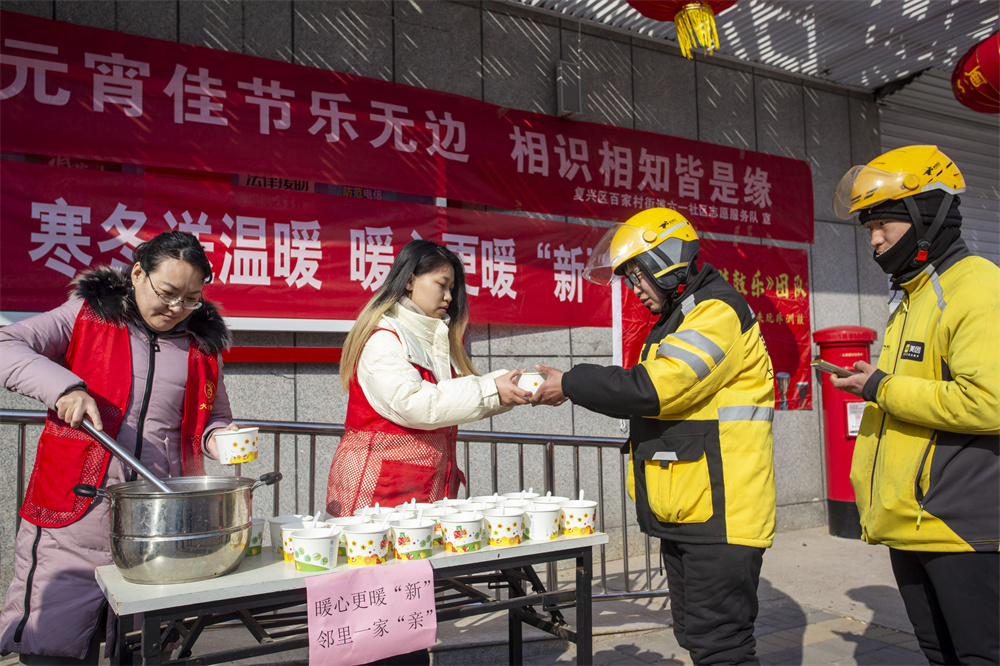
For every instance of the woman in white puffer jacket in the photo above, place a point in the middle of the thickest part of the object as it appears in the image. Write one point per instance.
(410, 383)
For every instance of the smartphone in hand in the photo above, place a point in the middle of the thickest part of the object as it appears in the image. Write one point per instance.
(826, 366)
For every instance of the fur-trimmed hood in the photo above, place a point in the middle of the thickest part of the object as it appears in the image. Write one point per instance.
(108, 292)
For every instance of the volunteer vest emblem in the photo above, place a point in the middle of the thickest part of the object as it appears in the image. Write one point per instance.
(913, 351)
(209, 396)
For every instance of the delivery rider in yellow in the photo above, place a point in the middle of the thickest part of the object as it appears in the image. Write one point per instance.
(700, 404)
(926, 467)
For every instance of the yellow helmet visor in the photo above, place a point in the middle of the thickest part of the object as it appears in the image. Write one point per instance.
(865, 186)
(599, 268)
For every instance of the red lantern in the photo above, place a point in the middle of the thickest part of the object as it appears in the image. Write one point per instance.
(694, 19)
(976, 79)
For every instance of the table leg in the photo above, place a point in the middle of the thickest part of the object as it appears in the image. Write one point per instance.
(123, 652)
(515, 652)
(151, 653)
(584, 608)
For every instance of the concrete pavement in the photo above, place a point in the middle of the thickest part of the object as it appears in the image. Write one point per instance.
(823, 600)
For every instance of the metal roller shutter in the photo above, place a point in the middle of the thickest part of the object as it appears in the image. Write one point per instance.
(926, 112)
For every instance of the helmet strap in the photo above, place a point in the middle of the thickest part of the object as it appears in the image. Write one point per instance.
(939, 217)
(923, 244)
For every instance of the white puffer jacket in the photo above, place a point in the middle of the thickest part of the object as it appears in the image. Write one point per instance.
(394, 387)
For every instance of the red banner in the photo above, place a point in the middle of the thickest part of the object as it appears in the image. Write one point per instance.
(774, 281)
(284, 255)
(156, 103)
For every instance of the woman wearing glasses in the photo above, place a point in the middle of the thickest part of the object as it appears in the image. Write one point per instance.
(137, 353)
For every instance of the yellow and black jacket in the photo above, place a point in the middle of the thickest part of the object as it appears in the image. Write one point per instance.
(926, 467)
(700, 403)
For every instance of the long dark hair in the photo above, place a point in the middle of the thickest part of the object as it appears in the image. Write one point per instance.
(415, 258)
(172, 245)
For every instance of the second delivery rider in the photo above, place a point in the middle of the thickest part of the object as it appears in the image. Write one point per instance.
(700, 404)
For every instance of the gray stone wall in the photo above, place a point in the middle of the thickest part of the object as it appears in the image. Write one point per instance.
(507, 55)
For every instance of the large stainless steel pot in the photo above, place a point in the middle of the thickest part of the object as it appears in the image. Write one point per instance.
(198, 530)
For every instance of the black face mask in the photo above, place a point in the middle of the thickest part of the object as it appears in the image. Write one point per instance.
(898, 258)
(674, 290)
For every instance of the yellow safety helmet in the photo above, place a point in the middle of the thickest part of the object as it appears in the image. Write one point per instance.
(897, 174)
(661, 240)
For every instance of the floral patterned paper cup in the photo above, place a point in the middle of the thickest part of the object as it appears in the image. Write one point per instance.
(286, 535)
(436, 514)
(463, 531)
(578, 517)
(541, 523)
(505, 526)
(315, 550)
(274, 527)
(367, 544)
(236, 446)
(256, 537)
(341, 523)
(413, 539)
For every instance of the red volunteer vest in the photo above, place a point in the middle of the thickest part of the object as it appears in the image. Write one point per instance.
(362, 417)
(100, 354)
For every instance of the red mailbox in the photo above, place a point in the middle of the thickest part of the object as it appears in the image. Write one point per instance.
(841, 345)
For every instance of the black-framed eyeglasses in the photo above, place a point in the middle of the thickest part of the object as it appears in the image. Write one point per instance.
(634, 278)
(187, 304)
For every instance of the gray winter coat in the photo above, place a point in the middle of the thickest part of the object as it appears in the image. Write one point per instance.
(65, 601)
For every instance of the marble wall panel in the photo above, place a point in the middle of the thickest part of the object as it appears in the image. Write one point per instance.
(519, 61)
(151, 18)
(779, 115)
(39, 8)
(726, 105)
(866, 135)
(828, 145)
(605, 82)
(591, 341)
(95, 13)
(350, 36)
(798, 456)
(215, 24)
(663, 85)
(834, 276)
(514, 340)
(437, 46)
(268, 30)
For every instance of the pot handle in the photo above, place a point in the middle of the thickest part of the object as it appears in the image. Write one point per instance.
(87, 490)
(266, 480)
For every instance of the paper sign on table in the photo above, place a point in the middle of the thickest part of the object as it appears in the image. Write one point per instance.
(370, 613)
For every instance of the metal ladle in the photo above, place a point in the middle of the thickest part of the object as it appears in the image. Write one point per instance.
(125, 456)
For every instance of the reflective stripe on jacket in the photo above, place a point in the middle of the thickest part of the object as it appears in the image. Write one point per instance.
(926, 467)
(700, 403)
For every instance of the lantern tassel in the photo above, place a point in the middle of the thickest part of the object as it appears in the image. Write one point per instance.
(696, 27)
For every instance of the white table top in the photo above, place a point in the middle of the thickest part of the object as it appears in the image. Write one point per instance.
(266, 573)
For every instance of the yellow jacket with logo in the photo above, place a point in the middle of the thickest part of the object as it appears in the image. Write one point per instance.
(926, 467)
(700, 403)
